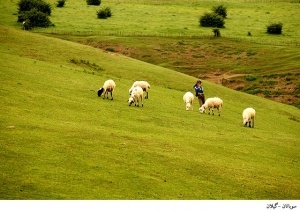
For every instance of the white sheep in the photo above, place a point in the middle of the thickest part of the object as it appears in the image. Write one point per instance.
(212, 103)
(108, 86)
(248, 117)
(143, 84)
(188, 99)
(136, 96)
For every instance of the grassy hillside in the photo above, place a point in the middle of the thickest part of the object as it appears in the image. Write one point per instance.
(60, 141)
(265, 70)
(167, 33)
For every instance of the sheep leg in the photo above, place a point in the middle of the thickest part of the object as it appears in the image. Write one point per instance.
(142, 100)
(253, 123)
(111, 96)
(146, 97)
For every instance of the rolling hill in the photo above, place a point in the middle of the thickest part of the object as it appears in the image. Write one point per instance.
(60, 141)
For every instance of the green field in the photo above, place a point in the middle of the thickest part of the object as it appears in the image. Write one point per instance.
(58, 140)
(167, 33)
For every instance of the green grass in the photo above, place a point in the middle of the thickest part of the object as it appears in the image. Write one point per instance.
(171, 18)
(149, 31)
(60, 141)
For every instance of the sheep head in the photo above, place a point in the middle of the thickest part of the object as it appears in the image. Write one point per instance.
(100, 91)
(202, 109)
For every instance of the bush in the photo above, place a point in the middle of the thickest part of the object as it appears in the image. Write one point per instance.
(250, 77)
(220, 10)
(216, 32)
(108, 11)
(60, 3)
(274, 28)
(34, 13)
(212, 20)
(93, 2)
(34, 18)
(40, 5)
(104, 13)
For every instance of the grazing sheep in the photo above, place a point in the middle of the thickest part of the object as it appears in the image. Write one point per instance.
(108, 86)
(143, 84)
(248, 117)
(212, 103)
(188, 99)
(136, 96)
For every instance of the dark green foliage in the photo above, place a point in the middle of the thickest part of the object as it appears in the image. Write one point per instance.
(212, 20)
(104, 13)
(34, 18)
(34, 13)
(220, 10)
(216, 32)
(93, 2)
(40, 5)
(60, 3)
(108, 11)
(250, 77)
(274, 28)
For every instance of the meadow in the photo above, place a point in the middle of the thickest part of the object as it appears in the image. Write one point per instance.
(58, 140)
(179, 19)
(167, 33)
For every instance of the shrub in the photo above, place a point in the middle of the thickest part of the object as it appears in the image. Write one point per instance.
(250, 77)
(216, 32)
(104, 13)
(220, 10)
(108, 11)
(34, 18)
(93, 2)
(60, 3)
(40, 5)
(212, 20)
(274, 28)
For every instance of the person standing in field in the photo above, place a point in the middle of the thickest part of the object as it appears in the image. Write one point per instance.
(199, 92)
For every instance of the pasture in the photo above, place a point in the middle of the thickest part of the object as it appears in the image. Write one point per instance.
(167, 33)
(58, 140)
(178, 19)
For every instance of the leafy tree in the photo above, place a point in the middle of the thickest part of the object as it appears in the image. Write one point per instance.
(34, 13)
(212, 20)
(220, 10)
(40, 5)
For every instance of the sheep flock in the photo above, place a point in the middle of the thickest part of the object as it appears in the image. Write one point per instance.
(136, 93)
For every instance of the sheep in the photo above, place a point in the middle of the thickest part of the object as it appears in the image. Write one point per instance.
(248, 117)
(212, 103)
(188, 99)
(108, 86)
(136, 96)
(143, 84)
